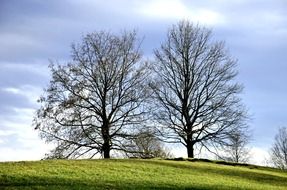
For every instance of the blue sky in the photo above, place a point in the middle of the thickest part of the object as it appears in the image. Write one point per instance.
(34, 31)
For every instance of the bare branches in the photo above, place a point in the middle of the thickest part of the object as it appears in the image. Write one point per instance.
(94, 103)
(145, 144)
(194, 89)
(235, 149)
(279, 149)
(96, 98)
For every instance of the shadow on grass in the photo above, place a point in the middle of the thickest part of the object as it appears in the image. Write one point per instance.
(252, 175)
(221, 162)
(55, 183)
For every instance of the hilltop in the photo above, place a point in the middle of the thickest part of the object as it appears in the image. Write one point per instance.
(138, 174)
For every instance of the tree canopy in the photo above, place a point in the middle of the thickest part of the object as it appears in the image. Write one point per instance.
(279, 149)
(100, 101)
(194, 88)
(94, 102)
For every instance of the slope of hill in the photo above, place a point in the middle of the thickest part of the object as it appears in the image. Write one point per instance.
(137, 174)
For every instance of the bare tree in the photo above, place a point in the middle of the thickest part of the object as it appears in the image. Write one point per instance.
(279, 149)
(146, 144)
(196, 97)
(236, 150)
(93, 103)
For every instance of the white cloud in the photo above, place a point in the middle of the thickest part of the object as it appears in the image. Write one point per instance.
(10, 154)
(12, 90)
(32, 93)
(19, 141)
(259, 156)
(176, 9)
(178, 150)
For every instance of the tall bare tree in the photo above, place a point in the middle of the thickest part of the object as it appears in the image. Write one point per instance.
(196, 97)
(92, 103)
(279, 149)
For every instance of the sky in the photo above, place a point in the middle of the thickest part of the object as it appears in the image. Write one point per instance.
(33, 32)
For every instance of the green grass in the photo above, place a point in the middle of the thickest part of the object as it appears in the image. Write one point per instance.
(137, 174)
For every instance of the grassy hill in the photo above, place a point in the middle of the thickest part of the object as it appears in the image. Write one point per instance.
(137, 174)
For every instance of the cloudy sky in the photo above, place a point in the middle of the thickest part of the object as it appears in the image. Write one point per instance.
(32, 32)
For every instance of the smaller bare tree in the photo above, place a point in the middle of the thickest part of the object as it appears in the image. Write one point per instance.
(236, 149)
(146, 144)
(279, 149)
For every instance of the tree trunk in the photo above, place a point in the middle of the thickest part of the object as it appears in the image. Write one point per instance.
(106, 148)
(189, 143)
(190, 150)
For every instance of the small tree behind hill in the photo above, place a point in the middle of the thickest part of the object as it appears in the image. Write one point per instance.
(236, 150)
(279, 149)
(146, 144)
